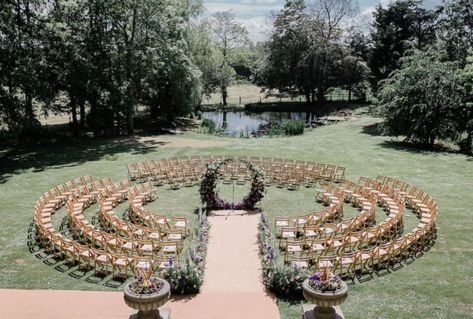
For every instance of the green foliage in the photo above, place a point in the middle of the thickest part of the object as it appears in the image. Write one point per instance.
(396, 29)
(456, 29)
(275, 130)
(184, 278)
(293, 128)
(187, 277)
(280, 279)
(104, 56)
(466, 78)
(304, 53)
(228, 33)
(423, 100)
(210, 124)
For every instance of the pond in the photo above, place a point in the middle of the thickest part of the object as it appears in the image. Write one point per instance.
(246, 123)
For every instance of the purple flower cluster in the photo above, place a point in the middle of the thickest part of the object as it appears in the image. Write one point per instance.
(325, 281)
(146, 286)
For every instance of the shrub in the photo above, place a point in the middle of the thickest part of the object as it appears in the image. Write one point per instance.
(280, 279)
(187, 276)
(184, 278)
(211, 125)
(293, 128)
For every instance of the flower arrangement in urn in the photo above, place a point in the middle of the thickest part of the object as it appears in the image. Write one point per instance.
(146, 284)
(325, 281)
(146, 294)
(325, 290)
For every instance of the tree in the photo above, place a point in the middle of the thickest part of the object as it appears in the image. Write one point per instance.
(228, 34)
(466, 78)
(66, 57)
(456, 20)
(423, 100)
(359, 45)
(354, 73)
(21, 22)
(401, 26)
(285, 49)
(304, 51)
(204, 54)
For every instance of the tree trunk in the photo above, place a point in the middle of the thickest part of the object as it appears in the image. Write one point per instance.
(130, 125)
(29, 113)
(320, 96)
(224, 95)
(75, 123)
(82, 113)
(349, 93)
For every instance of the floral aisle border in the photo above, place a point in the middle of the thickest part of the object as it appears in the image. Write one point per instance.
(210, 198)
(187, 277)
(277, 277)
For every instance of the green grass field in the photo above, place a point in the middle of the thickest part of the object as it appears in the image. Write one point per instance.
(437, 285)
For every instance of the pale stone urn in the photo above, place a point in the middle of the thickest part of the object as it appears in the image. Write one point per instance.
(324, 301)
(147, 304)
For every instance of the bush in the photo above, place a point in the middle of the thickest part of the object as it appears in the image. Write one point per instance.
(211, 125)
(184, 278)
(293, 128)
(280, 279)
(187, 276)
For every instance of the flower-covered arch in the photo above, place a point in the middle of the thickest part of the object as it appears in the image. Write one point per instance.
(210, 198)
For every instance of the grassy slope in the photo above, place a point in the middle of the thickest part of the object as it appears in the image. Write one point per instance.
(438, 285)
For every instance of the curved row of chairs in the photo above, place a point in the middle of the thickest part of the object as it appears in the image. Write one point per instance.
(322, 239)
(106, 252)
(349, 251)
(187, 171)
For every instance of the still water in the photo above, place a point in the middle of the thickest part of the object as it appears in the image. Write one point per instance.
(236, 123)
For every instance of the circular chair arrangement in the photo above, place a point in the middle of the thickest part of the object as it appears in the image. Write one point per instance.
(319, 239)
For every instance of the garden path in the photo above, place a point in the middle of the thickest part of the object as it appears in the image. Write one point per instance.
(232, 286)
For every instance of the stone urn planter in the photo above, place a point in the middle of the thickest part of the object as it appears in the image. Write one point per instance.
(147, 304)
(324, 301)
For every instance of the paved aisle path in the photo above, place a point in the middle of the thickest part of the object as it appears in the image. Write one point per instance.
(232, 285)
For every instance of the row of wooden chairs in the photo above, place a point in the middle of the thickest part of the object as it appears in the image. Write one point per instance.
(186, 171)
(80, 192)
(393, 195)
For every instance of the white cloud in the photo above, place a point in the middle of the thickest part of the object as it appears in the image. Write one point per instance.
(258, 28)
(242, 8)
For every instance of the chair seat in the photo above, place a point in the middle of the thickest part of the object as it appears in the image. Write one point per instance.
(294, 248)
(300, 264)
(180, 224)
(147, 247)
(281, 223)
(175, 236)
(317, 247)
(169, 249)
(288, 234)
(346, 260)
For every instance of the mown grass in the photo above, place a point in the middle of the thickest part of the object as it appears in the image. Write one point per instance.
(437, 285)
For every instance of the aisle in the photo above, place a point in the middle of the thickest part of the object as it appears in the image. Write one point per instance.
(232, 286)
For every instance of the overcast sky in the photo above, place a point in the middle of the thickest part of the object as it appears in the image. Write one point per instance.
(254, 14)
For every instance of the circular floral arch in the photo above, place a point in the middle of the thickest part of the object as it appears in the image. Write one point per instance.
(209, 182)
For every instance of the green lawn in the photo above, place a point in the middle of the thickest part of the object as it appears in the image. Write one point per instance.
(437, 285)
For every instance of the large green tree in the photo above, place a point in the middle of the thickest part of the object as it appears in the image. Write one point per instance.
(399, 27)
(456, 29)
(22, 77)
(228, 34)
(304, 53)
(423, 100)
